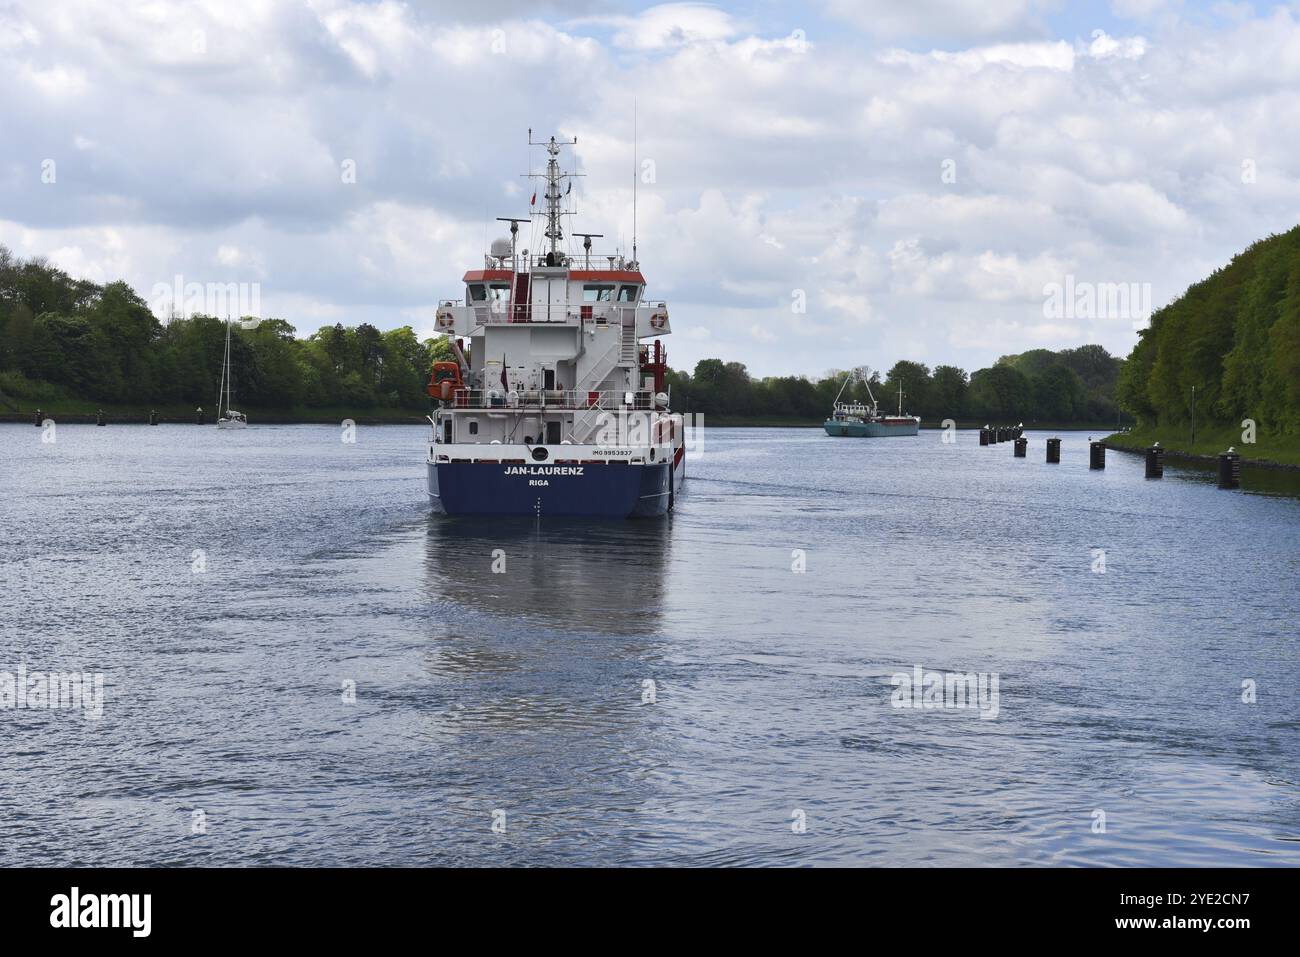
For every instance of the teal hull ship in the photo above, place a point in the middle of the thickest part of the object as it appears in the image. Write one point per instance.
(860, 420)
(872, 429)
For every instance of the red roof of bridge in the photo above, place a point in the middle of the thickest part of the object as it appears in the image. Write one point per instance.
(576, 275)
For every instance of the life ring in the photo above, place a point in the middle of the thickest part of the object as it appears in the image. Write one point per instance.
(446, 320)
(659, 319)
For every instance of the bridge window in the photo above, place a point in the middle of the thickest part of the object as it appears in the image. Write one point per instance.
(628, 293)
(477, 292)
(597, 293)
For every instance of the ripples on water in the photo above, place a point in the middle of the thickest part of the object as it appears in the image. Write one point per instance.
(522, 691)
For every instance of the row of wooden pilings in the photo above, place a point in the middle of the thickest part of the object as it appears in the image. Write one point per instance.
(992, 435)
(1229, 462)
(101, 418)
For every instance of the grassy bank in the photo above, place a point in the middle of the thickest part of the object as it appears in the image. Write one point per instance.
(793, 422)
(1176, 440)
(1097, 428)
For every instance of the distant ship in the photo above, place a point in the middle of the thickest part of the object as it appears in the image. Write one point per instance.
(863, 421)
(556, 408)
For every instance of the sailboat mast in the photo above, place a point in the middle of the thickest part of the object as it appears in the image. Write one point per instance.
(230, 373)
(225, 361)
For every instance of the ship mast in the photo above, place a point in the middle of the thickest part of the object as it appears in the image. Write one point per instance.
(553, 195)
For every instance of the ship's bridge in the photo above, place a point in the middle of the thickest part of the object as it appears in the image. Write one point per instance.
(611, 293)
(561, 336)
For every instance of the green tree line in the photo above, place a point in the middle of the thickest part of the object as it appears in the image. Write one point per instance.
(1234, 338)
(1072, 385)
(62, 337)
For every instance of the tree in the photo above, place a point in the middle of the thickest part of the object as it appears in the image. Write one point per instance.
(1058, 394)
(914, 379)
(948, 387)
(1234, 336)
(1001, 393)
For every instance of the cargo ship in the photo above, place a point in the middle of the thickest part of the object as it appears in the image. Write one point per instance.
(556, 402)
(865, 420)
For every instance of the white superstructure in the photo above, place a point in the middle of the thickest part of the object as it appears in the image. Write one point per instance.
(552, 369)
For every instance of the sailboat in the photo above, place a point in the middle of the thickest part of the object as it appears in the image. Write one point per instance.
(228, 418)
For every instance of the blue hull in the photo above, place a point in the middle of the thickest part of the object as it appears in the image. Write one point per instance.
(598, 490)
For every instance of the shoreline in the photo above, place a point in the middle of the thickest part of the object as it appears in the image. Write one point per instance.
(1200, 458)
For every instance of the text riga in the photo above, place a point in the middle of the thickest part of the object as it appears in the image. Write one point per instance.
(934, 690)
(53, 690)
(133, 911)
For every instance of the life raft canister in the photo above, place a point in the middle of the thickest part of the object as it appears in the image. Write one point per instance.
(444, 381)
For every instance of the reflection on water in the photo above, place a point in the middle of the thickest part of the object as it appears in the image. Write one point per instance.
(604, 577)
(1255, 480)
(535, 622)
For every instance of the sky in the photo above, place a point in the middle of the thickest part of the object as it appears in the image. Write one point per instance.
(819, 185)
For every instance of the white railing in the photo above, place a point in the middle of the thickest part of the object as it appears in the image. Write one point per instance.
(585, 262)
(498, 400)
(485, 313)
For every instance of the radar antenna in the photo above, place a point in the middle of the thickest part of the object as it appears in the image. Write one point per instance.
(586, 244)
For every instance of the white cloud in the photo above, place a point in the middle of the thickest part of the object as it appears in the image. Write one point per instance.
(1103, 46)
(56, 82)
(668, 25)
(958, 19)
(1049, 56)
(210, 138)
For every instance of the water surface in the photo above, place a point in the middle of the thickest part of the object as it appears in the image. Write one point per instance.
(319, 563)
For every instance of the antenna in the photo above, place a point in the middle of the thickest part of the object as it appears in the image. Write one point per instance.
(635, 177)
(586, 244)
